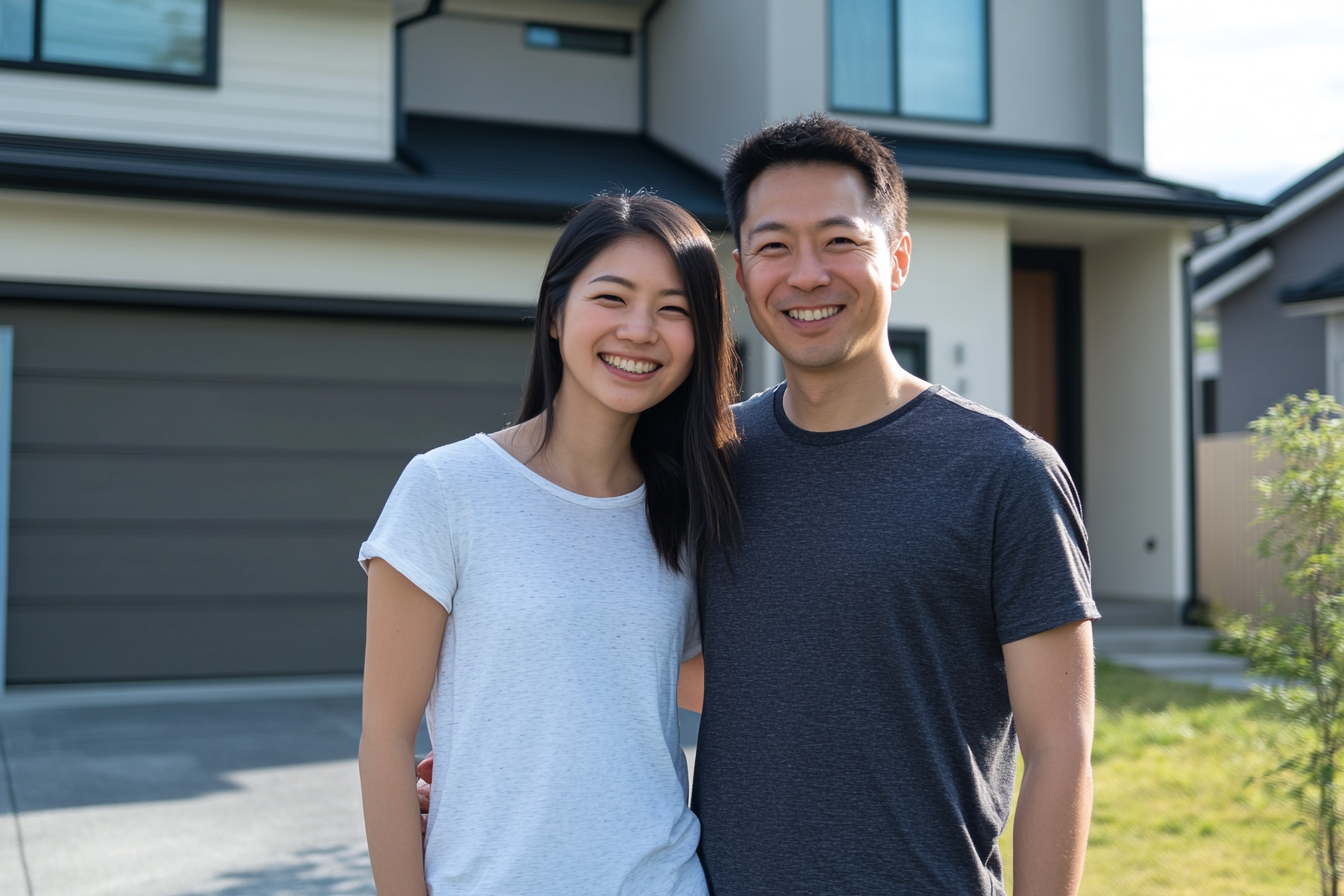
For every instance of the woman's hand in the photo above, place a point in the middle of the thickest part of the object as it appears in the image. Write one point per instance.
(405, 634)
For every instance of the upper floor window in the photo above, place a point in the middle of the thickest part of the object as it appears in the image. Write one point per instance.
(161, 40)
(914, 58)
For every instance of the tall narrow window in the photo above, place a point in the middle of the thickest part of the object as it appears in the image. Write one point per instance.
(914, 58)
(168, 40)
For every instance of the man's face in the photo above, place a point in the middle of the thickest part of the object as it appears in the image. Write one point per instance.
(816, 266)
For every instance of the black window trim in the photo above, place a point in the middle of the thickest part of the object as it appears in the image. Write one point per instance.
(895, 112)
(918, 339)
(209, 76)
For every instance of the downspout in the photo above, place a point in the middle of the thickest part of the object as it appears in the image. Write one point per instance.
(644, 64)
(432, 9)
(1190, 609)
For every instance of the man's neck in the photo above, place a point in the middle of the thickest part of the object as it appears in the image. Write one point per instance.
(848, 395)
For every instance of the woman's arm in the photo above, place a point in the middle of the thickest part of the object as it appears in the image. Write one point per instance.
(405, 633)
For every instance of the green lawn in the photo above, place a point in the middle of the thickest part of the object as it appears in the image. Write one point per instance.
(1174, 812)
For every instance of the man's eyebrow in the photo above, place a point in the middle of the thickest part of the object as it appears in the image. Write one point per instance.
(629, 284)
(837, 221)
(842, 221)
(767, 226)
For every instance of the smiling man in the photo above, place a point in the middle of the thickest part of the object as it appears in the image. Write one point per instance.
(910, 597)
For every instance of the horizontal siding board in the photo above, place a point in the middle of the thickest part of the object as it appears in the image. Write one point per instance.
(119, 565)
(53, 645)
(97, 487)
(182, 343)
(93, 412)
(306, 77)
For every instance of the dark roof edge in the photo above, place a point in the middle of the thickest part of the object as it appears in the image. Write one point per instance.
(265, 194)
(1309, 180)
(1215, 207)
(402, 309)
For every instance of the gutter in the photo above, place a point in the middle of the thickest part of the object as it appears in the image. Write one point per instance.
(644, 64)
(1249, 234)
(432, 9)
(1244, 274)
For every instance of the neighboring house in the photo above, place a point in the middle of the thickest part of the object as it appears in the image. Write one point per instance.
(1274, 290)
(257, 253)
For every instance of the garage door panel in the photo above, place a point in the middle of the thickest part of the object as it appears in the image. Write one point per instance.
(159, 487)
(54, 645)
(60, 411)
(125, 563)
(107, 340)
(190, 488)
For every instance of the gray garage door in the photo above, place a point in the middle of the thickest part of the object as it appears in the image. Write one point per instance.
(189, 488)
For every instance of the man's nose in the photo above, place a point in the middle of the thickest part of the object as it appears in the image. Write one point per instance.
(809, 272)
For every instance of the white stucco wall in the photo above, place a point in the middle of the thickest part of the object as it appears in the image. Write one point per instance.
(300, 77)
(707, 76)
(1135, 416)
(479, 68)
(959, 290)
(47, 237)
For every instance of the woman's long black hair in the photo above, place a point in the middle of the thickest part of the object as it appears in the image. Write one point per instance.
(683, 444)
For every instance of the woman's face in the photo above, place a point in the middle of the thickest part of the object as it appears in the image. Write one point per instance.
(625, 333)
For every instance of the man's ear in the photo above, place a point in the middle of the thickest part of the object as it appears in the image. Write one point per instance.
(900, 261)
(737, 261)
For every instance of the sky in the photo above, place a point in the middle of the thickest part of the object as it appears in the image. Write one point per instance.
(1244, 96)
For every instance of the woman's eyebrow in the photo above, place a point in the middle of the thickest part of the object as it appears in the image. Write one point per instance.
(629, 284)
(613, 278)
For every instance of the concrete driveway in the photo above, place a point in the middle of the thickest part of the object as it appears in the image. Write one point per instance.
(228, 790)
(245, 788)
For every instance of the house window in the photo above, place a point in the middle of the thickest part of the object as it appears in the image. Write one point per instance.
(161, 40)
(586, 40)
(913, 58)
(911, 348)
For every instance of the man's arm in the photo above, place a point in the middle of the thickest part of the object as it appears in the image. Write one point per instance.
(691, 684)
(1050, 685)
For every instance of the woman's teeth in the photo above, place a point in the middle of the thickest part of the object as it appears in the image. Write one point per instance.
(813, 313)
(629, 365)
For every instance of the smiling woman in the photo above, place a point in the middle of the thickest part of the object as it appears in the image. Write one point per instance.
(545, 573)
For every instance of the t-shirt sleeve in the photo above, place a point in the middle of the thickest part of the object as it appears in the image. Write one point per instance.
(413, 535)
(1042, 572)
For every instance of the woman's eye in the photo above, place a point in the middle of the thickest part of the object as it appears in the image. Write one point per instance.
(609, 298)
(678, 309)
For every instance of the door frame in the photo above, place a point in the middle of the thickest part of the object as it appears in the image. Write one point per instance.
(1067, 266)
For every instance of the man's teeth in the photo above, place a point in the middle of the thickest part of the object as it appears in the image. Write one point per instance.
(813, 314)
(629, 365)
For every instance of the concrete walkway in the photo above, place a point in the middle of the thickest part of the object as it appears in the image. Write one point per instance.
(1171, 652)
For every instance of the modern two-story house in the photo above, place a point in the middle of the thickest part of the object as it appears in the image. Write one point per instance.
(255, 254)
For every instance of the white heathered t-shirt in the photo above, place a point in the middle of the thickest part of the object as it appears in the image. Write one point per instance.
(557, 759)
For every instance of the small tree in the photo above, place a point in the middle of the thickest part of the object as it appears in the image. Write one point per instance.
(1300, 654)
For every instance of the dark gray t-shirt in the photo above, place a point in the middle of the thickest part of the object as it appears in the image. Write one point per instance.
(857, 736)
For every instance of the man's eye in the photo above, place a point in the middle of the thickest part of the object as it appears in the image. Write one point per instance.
(844, 240)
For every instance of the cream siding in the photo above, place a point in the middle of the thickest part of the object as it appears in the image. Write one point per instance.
(299, 77)
(110, 242)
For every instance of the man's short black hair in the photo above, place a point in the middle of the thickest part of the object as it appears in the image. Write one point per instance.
(816, 139)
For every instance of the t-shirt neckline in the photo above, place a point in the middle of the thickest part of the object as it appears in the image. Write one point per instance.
(840, 436)
(541, 482)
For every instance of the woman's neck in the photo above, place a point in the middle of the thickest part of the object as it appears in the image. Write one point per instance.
(588, 452)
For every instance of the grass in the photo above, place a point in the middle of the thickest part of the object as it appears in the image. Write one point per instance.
(1180, 808)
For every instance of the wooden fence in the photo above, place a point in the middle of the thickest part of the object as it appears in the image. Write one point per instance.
(1231, 573)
